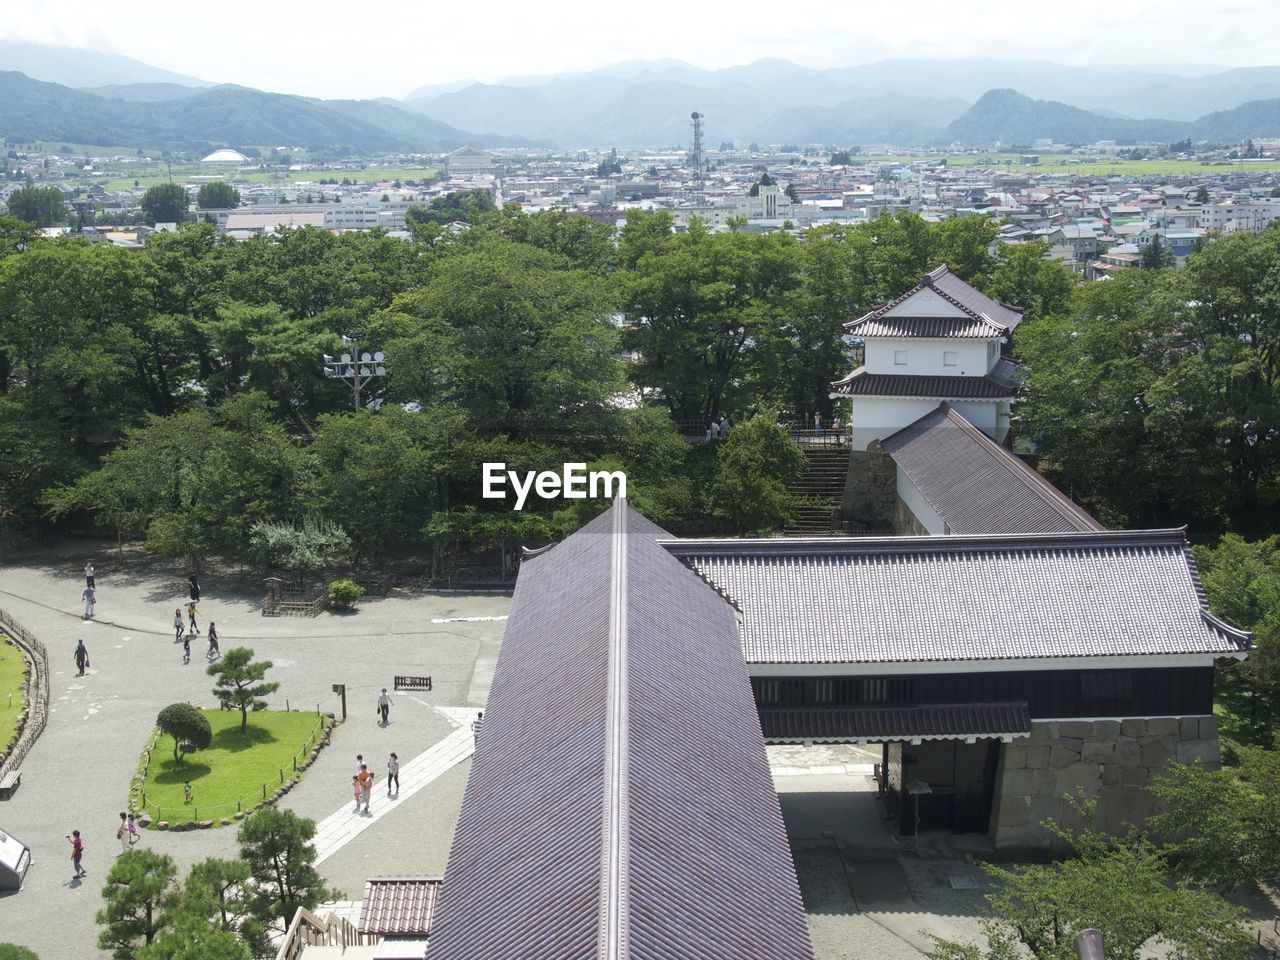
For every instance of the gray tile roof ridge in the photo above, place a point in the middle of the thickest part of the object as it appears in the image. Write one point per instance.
(951, 543)
(1054, 498)
(932, 386)
(930, 280)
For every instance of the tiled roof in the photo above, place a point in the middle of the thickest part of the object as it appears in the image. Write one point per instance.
(620, 804)
(931, 327)
(976, 485)
(928, 722)
(999, 317)
(910, 599)
(399, 906)
(993, 386)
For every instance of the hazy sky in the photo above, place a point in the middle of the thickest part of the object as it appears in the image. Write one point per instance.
(389, 47)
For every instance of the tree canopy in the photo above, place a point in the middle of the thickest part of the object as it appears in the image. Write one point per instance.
(39, 206)
(165, 203)
(216, 195)
(186, 725)
(240, 682)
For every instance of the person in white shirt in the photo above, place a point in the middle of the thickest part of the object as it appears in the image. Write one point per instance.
(384, 707)
(393, 773)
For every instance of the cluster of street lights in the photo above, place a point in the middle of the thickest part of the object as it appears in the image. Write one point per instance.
(355, 368)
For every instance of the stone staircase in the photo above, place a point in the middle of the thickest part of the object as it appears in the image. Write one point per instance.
(821, 486)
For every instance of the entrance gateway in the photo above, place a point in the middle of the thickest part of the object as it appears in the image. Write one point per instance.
(1004, 671)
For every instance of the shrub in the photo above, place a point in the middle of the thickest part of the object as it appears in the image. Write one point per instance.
(187, 725)
(343, 594)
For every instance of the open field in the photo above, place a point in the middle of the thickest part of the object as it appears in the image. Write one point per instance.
(1104, 166)
(12, 667)
(234, 767)
(122, 176)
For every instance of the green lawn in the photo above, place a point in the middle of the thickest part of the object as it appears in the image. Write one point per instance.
(12, 666)
(1103, 165)
(121, 177)
(235, 767)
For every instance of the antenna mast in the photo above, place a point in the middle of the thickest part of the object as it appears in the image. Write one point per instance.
(696, 158)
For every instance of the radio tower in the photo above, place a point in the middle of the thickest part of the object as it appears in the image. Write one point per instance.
(697, 151)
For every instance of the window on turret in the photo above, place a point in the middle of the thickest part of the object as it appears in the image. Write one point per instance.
(948, 358)
(899, 358)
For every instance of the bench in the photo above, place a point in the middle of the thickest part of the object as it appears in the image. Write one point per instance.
(9, 783)
(413, 683)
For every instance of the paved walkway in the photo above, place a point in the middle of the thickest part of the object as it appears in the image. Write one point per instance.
(77, 775)
(338, 829)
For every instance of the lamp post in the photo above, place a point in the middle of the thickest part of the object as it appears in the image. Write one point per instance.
(1089, 945)
(355, 368)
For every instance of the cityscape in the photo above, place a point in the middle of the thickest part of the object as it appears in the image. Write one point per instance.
(779, 500)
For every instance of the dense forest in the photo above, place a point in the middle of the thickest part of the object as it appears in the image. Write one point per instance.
(177, 394)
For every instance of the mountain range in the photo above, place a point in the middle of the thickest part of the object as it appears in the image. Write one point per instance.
(171, 116)
(98, 98)
(1009, 117)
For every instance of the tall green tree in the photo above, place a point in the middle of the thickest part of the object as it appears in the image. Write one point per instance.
(165, 203)
(524, 343)
(389, 450)
(755, 463)
(139, 893)
(277, 845)
(1023, 276)
(194, 938)
(213, 917)
(1101, 404)
(217, 195)
(40, 206)
(1156, 255)
(240, 681)
(708, 314)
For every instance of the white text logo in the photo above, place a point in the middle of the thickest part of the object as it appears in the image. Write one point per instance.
(574, 483)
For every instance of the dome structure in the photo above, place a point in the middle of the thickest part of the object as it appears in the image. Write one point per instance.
(226, 155)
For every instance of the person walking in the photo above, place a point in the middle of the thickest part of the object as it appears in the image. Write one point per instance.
(393, 774)
(186, 648)
(214, 652)
(88, 574)
(179, 628)
(122, 831)
(366, 786)
(77, 854)
(357, 791)
(90, 595)
(724, 425)
(476, 724)
(193, 585)
(191, 615)
(82, 658)
(359, 763)
(131, 825)
(384, 707)
(817, 422)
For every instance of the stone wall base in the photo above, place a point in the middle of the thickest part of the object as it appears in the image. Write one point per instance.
(1110, 760)
(870, 489)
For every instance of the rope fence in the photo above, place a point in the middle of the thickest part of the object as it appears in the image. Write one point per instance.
(214, 811)
(37, 691)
